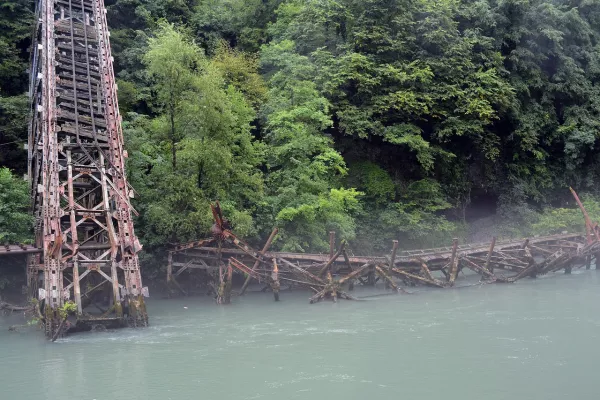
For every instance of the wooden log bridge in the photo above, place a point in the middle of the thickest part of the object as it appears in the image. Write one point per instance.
(333, 275)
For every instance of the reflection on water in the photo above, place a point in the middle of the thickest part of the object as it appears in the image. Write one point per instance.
(537, 339)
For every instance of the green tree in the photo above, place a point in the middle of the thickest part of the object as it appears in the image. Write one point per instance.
(304, 170)
(15, 222)
(197, 149)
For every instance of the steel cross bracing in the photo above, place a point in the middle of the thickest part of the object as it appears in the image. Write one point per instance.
(80, 195)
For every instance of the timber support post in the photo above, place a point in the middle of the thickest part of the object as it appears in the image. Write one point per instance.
(588, 262)
(488, 265)
(568, 269)
(275, 285)
(453, 263)
(169, 267)
(394, 250)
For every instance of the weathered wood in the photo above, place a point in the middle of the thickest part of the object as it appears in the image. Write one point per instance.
(354, 273)
(539, 249)
(588, 222)
(487, 265)
(394, 250)
(333, 258)
(318, 296)
(275, 286)
(302, 271)
(425, 271)
(317, 272)
(482, 271)
(257, 262)
(332, 287)
(588, 262)
(224, 292)
(389, 280)
(453, 263)
(416, 277)
(499, 263)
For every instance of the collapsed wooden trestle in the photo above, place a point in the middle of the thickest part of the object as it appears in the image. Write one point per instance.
(333, 275)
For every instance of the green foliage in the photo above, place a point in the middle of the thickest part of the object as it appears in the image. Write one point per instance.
(16, 17)
(304, 226)
(379, 119)
(13, 131)
(558, 220)
(67, 309)
(241, 70)
(15, 222)
(197, 149)
(374, 181)
(304, 171)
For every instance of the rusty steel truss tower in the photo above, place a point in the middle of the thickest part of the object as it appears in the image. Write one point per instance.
(80, 194)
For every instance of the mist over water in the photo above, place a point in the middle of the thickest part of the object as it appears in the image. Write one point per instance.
(536, 339)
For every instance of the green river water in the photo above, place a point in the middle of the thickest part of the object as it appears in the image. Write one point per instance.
(536, 339)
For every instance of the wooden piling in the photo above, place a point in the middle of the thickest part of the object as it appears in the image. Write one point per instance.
(332, 258)
(394, 250)
(390, 282)
(588, 262)
(487, 265)
(275, 280)
(349, 264)
(170, 267)
(453, 263)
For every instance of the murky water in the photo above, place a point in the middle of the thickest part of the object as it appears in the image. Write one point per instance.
(537, 339)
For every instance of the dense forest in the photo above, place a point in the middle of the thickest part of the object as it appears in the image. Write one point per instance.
(416, 120)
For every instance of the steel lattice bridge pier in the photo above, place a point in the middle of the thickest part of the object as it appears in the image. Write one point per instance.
(84, 234)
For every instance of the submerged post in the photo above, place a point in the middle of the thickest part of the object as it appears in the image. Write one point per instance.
(588, 262)
(275, 286)
(170, 268)
(453, 262)
(487, 265)
(394, 250)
